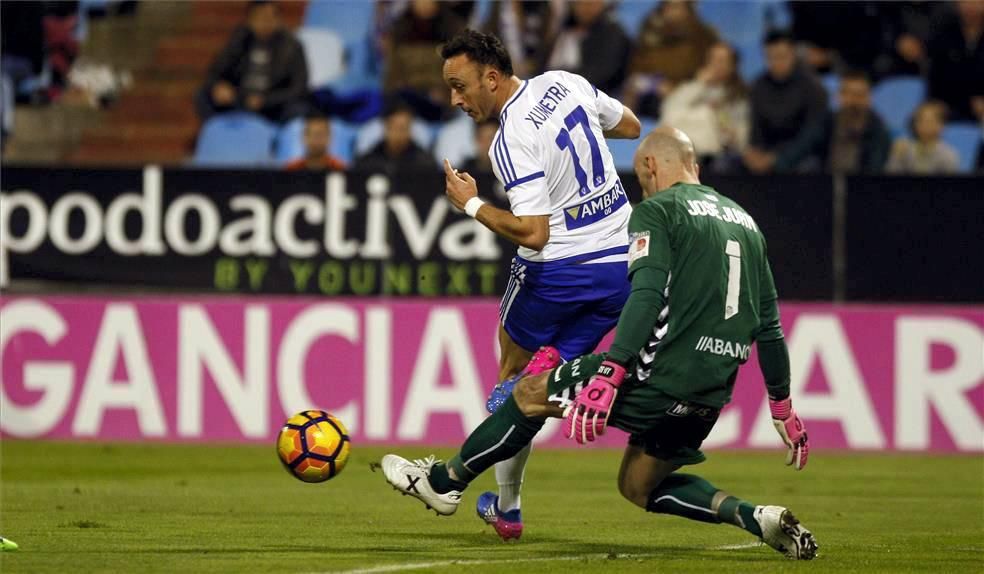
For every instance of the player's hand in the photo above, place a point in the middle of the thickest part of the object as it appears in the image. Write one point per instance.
(791, 430)
(588, 416)
(459, 186)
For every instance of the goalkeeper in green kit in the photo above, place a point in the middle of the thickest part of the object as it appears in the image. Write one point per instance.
(702, 293)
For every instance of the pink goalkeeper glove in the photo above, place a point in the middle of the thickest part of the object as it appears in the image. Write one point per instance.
(793, 433)
(588, 416)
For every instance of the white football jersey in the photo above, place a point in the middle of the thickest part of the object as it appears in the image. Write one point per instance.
(551, 157)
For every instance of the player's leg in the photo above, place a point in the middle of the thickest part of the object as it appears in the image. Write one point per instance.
(501, 436)
(648, 479)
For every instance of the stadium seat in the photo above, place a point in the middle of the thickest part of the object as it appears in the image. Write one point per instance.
(352, 22)
(350, 19)
(455, 141)
(343, 136)
(325, 55)
(752, 62)
(624, 150)
(235, 139)
(896, 98)
(831, 82)
(965, 137)
(631, 14)
(371, 133)
(288, 144)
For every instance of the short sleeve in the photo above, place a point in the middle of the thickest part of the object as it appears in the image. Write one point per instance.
(609, 109)
(521, 169)
(649, 238)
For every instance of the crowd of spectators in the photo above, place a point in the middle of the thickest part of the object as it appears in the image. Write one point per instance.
(809, 109)
(679, 70)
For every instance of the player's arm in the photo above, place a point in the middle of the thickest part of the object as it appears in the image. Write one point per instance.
(617, 120)
(773, 359)
(531, 231)
(628, 127)
(649, 268)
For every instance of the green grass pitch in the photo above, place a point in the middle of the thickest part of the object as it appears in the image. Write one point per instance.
(93, 507)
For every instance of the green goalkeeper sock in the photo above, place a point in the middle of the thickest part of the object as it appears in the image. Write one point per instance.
(499, 437)
(684, 495)
(693, 497)
(740, 513)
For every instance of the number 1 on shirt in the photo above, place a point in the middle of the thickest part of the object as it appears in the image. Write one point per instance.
(733, 250)
(564, 141)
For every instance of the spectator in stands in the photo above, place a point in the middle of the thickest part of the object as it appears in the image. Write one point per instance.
(787, 102)
(927, 153)
(397, 152)
(839, 35)
(317, 141)
(851, 140)
(481, 162)
(672, 46)
(956, 61)
(261, 69)
(713, 109)
(594, 45)
(527, 30)
(413, 64)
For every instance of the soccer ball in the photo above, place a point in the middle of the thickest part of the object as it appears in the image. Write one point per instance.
(313, 445)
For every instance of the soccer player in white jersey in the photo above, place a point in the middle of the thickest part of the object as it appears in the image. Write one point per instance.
(568, 214)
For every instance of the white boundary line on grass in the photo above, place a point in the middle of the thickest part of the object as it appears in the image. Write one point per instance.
(480, 562)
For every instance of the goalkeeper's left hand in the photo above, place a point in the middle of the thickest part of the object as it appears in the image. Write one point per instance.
(791, 430)
(588, 416)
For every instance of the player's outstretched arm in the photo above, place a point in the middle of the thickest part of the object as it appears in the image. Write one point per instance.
(627, 128)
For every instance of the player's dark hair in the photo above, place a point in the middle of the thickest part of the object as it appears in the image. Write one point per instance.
(777, 35)
(484, 49)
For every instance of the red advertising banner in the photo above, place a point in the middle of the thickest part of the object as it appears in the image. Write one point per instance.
(399, 371)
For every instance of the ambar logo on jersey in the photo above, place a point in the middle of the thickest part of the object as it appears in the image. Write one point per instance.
(596, 209)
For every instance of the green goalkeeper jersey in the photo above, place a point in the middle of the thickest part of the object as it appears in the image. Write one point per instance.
(719, 293)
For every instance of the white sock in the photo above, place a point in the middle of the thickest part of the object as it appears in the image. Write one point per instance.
(509, 476)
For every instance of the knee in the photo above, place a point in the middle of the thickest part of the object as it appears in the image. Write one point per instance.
(530, 394)
(634, 492)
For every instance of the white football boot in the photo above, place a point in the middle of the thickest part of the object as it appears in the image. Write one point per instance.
(782, 531)
(412, 478)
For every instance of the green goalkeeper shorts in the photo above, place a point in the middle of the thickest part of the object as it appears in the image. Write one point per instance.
(667, 428)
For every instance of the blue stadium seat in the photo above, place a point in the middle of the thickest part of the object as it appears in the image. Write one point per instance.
(965, 137)
(343, 136)
(831, 82)
(455, 140)
(236, 139)
(632, 13)
(351, 21)
(325, 55)
(288, 144)
(624, 150)
(896, 98)
(738, 23)
(752, 61)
